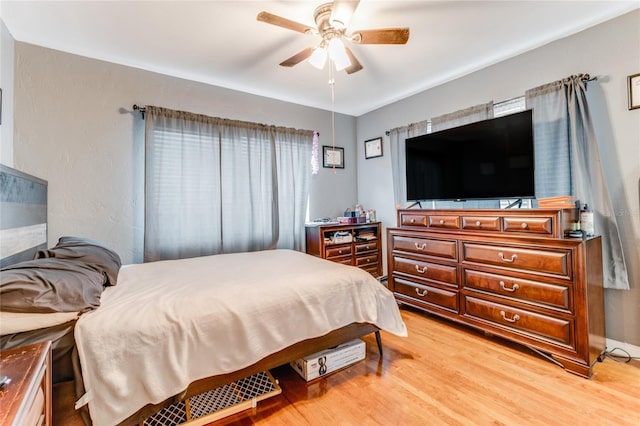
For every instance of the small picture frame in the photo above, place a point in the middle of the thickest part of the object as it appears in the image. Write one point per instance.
(332, 156)
(633, 83)
(373, 148)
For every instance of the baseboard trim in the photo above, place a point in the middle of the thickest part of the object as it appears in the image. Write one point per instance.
(633, 350)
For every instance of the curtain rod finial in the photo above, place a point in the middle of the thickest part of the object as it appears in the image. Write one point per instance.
(142, 110)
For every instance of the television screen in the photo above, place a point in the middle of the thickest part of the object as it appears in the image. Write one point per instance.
(490, 159)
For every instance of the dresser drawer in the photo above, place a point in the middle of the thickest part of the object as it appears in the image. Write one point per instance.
(345, 260)
(337, 251)
(438, 248)
(484, 223)
(449, 222)
(532, 225)
(528, 291)
(426, 270)
(413, 219)
(363, 260)
(434, 296)
(542, 327)
(537, 260)
(366, 246)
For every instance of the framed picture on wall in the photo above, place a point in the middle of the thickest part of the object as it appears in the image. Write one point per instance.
(373, 148)
(333, 156)
(633, 81)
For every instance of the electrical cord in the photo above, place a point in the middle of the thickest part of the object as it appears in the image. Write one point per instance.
(626, 358)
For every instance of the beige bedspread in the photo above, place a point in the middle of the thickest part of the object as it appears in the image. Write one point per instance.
(167, 324)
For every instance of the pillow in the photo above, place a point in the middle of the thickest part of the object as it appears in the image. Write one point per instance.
(50, 285)
(92, 254)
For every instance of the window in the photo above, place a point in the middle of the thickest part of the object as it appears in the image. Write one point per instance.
(221, 186)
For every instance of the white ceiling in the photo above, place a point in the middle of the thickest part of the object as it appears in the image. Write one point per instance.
(222, 43)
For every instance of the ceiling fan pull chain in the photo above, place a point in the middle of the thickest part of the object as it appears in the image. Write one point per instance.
(332, 82)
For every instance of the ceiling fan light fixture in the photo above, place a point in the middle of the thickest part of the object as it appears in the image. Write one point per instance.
(318, 57)
(331, 22)
(341, 13)
(338, 54)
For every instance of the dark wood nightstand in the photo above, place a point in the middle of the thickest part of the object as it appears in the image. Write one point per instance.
(28, 395)
(361, 246)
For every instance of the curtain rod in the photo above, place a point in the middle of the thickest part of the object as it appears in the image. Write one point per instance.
(585, 77)
(388, 132)
(143, 110)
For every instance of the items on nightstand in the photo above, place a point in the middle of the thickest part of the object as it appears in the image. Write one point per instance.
(586, 221)
(347, 219)
(358, 215)
(342, 237)
(575, 231)
(366, 236)
(322, 220)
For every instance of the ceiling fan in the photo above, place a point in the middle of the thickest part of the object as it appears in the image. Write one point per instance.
(331, 25)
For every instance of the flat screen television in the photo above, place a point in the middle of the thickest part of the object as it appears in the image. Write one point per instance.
(490, 159)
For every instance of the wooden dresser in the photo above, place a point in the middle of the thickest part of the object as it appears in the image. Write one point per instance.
(360, 245)
(26, 400)
(510, 273)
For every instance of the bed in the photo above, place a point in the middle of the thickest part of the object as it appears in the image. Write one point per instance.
(164, 331)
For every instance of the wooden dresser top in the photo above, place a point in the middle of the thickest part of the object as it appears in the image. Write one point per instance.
(23, 366)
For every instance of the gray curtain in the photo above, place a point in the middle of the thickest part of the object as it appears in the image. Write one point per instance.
(214, 185)
(568, 162)
(459, 118)
(463, 116)
(397, 139)
(551, 139)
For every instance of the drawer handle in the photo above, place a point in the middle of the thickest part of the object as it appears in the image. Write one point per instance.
(524, 225)
(421, 247)
(423, 294)
(339, 251)
(515, 318)
(421, 271)
(366, 247)
(513, 288)
(478, 223)
(504, 259)
(412, 220)
(369, 260)
(441, 221)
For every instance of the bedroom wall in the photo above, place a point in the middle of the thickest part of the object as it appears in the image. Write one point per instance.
(610, 51)
(74, 126)
(6, 84)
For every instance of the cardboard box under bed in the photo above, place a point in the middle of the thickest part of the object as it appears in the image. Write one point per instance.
(330, 360)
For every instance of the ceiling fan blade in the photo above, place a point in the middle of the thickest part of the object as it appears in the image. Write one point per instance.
(381, 36)
(355, 64)
(272, 19)
(342, 11)
(298, 57)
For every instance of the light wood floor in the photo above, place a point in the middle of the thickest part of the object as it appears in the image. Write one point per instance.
(442, 374)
